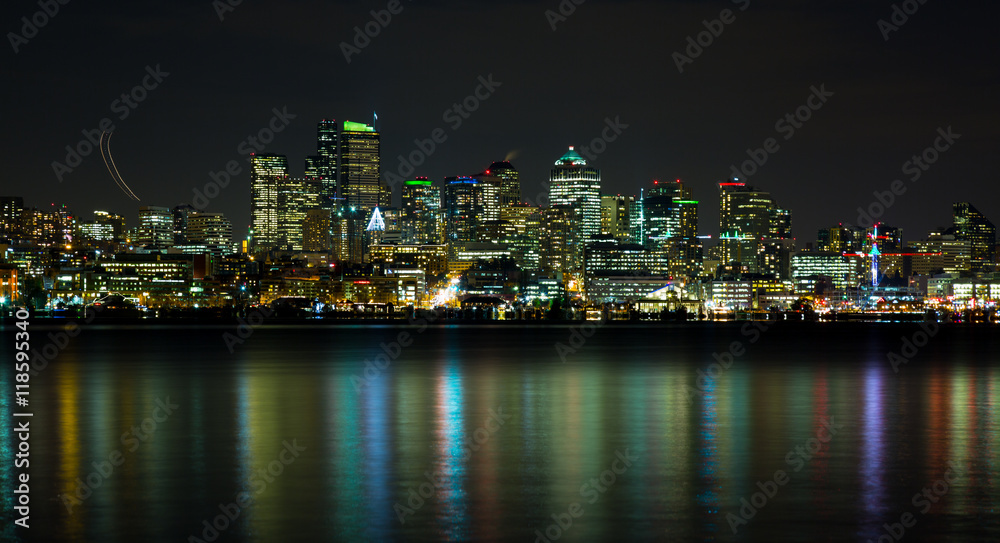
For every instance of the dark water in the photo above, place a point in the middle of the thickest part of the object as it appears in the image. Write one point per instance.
(349, 463)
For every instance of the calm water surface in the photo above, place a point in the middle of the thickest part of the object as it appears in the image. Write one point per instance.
(485, 433)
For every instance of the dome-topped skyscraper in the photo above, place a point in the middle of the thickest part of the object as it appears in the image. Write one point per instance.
(576, 184)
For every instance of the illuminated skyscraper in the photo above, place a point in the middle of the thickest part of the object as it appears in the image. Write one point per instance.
(421, 209)
(491, 196)
(181, 214)
(510, 190)
(324, 166)
(347, 229)
(156, 227)
(316, 231)
(296, 197)
(890, 238)
(327, 147)
(668, 228)
(10, 216)
(212, 229)
(463, 209)
(95, 231)
(747, 218)
(517, 216)
(560, 247)
(661, 214)
(615, 217)
(840, 239)
(360, 167)
(266, 173)
(576, 184)
(744, 212)
(971, 225)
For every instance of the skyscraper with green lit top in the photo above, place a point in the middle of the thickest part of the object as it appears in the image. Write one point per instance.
(421, 212)
(360, 167)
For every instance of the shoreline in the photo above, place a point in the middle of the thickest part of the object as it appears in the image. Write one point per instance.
(441, 323)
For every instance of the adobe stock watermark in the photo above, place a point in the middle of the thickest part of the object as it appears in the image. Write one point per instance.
(566, 8)
(796, 459)
(130, 442)
(37, 21)
(254, 143)
(592, 491)
(899, 16)
(911, 345)
(228, 513)
(435, 481)
(612, 130)
(922, 501)
(222, 7)
(915, 168)
(724, 361)
(455, 117)
(697, 44)
(363, 36)
(124, 105)
(246, 327)
(786, 125)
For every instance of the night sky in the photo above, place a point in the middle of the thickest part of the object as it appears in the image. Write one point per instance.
(606, 60)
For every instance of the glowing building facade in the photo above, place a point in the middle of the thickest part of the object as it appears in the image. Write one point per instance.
(574, 183)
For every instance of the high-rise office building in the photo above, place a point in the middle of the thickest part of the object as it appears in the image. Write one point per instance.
(517, 216)
(890, 239)
(116, 221)
(211, 229)
(316, 231)
(347, 233)
(669, 228)
(181, 214)
(940, 253)
(48, 227)
(748, 217)
(463, 209)
(744, 211)
(491, 196)
(661, 215)
(781, 224)
(510, 189)
(296, 196)
(325, 165)
(313, 165)
(973, 226)
(637, 219)
(615, 217)
(560, 247)
(156, 227)
(421, 208)
(267, 171)
(574, 183)
(95, 231)
(840, 239)
(360, 167)
(10, 216)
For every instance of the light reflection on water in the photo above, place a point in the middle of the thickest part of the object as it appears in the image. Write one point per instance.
(368, 447)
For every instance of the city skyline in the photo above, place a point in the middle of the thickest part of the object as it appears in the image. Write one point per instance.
(552, 270)
(279, 168)
(694, 125)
